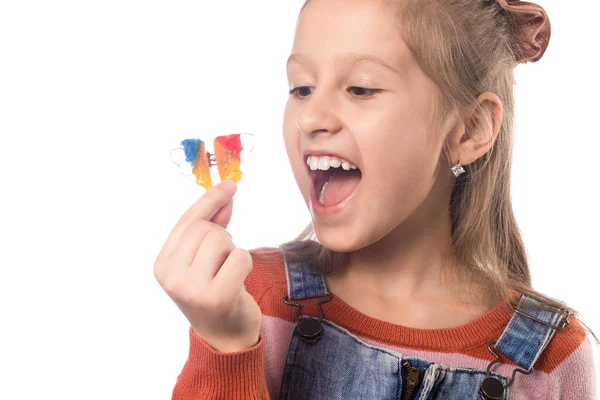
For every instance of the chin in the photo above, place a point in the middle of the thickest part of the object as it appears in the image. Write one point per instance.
(338, 240)
(353, 238)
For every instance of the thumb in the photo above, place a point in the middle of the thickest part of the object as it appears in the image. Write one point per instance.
(223, 215)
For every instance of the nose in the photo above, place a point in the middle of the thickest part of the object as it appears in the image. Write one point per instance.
(318, 114)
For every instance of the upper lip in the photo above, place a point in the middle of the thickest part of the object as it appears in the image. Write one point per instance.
(319, 153)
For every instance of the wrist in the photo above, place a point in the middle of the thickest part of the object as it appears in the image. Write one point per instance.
(223, 344)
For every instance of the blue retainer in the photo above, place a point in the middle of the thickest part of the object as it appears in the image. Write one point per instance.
(190, 148)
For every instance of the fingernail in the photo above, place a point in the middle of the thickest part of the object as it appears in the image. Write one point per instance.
(227, 184)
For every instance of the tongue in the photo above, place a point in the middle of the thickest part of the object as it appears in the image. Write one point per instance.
(340, 185)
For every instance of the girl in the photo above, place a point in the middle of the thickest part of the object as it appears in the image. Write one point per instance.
(415, 284)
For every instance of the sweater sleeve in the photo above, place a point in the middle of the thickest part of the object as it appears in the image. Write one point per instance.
(208, 374)
(577, 375)
(566, 369)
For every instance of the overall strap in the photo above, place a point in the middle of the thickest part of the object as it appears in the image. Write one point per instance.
(530, 330)
(303, 282)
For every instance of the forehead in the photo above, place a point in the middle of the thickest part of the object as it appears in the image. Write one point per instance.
(329, 28)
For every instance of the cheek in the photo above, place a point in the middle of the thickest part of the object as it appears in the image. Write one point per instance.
(290, 136)
(291, 139)
(398, 152)
(399, 163)
(394, 136)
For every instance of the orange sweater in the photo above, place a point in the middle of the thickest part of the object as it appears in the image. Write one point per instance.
(564, 371)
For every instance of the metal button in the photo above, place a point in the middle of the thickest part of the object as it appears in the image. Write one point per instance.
(309, 330)
(491, 389)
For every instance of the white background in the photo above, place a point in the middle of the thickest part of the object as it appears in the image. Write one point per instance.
(94, 95)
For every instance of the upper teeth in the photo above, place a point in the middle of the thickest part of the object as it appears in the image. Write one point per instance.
(325, 162)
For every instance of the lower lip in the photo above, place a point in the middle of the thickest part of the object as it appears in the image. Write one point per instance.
(320, 210)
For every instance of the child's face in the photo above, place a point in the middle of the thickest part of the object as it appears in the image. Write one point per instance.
(386, 134)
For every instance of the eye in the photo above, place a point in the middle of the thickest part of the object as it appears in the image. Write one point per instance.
(363, 92)
(301, 92)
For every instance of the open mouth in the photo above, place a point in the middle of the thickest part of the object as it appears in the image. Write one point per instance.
(334, 185)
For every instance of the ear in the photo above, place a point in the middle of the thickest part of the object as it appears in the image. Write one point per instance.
(479, 131)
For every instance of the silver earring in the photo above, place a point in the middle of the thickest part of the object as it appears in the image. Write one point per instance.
(458, 169)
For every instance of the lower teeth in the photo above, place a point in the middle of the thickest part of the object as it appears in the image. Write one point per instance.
(322, 192)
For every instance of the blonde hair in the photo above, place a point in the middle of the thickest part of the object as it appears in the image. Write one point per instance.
(470, 47)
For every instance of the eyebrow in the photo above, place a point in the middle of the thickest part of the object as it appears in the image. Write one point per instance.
(352, 58)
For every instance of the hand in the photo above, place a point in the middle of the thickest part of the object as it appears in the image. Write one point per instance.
(203, 273)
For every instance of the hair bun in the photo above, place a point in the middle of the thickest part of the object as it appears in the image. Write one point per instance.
(531, 28)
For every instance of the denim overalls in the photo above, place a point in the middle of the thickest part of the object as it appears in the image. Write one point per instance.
(325, 361)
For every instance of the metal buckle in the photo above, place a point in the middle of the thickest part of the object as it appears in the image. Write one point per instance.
(497, 360)
(562, 323)
(309, 329)
(490, 387)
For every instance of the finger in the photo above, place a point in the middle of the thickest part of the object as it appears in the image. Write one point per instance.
(204, 208)
(175, 257)
(183, 252)
(211, 201)
(223, 215)
(212, 253)
(232, 274)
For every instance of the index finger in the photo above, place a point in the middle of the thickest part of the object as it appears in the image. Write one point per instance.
(206, 207)
(210, 202)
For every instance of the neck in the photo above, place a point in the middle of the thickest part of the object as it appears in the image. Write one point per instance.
(415, 260)
(409, 259)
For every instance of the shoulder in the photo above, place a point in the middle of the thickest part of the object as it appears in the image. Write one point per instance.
(268, 272)
(568, 364)
(570, 348)
(267, 283)
(568, 345)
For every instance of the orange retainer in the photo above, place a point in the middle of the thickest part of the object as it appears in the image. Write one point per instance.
(226, 158)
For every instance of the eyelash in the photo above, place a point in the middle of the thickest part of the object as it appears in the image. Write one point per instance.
(373, 92)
